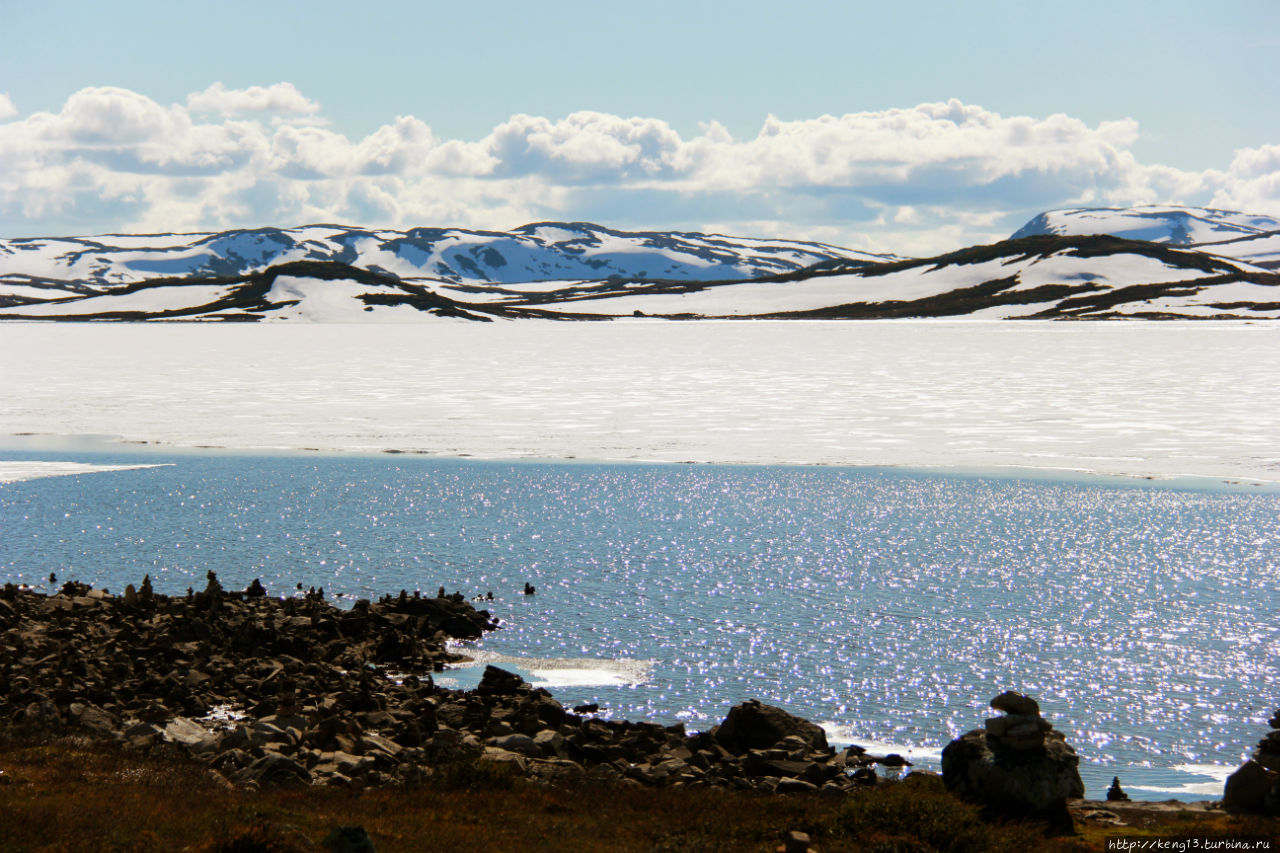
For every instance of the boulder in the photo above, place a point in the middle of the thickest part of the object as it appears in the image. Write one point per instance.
(1255, 787)
(755, 725)
(349, 839)
(93, 718)
(498, 681)
(1016, 703)
(505, 756)
(274, 769)
(1020, 768)
(795, 842)
(1011, 779)
(519, 743)
(550, 743)
(1251, 789)
(186, 732)
(556, 771)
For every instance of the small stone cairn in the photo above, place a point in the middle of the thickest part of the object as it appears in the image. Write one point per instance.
(1016, 765)
(1116, 794)
(1255, 787)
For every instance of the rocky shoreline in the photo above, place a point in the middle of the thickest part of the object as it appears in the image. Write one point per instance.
(296, 691)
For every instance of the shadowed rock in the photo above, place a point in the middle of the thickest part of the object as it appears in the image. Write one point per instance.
(1255, 787)
(1015, 765)
(755, 725)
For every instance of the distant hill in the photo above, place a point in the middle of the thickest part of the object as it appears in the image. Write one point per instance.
(1189, 263)
(1253, 238)
(542, 251)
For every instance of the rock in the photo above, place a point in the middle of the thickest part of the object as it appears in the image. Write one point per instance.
(1255, 787)
(43, 713)
(346, 764)
(93, 718)
(274, 769)
(448, 746)
(1115, 793)
(184, 731)
(997, 726)
(141, 735)
(497, 681)
(522, 744)
(1248, 790)
(297, 691)
(556, 771)
(1030, 770)
(550, 743)
(504, 756)
(372, 743)
(754, 725)
(1268, 752)
(795, 786)
(1016, 703)
(349, 839)
(795, 842)
(865, 776)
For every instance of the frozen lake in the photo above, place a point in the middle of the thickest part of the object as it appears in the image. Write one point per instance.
(1151, 399)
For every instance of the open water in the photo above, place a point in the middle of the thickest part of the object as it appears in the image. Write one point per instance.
(889, 605)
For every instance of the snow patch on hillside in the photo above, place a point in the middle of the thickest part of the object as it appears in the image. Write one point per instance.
(1181, 226)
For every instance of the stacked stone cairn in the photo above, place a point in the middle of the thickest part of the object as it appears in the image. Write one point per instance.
(285, 691)
(1255, 787)
(1017, 765)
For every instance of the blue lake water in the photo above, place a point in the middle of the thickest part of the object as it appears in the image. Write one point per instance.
(888, 605)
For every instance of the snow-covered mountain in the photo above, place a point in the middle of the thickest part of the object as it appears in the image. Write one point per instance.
(538, 252)
(584, 272)
(1250, 237)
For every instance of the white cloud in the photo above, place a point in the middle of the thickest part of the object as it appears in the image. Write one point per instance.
(584, 146)
(7, 109)
(914, 180)
(277, 98)
(1252, 182)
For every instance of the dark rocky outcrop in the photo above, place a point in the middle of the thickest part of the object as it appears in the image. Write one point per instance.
(754, 725)
(1255, 787)
(269, 691)
(1017, 764)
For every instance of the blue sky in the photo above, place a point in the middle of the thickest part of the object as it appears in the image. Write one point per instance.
(946, 123)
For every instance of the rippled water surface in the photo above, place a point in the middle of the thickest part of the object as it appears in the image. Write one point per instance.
(888, 605)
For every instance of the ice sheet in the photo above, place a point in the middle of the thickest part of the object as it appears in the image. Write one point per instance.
(1153, 399)
(15, 471)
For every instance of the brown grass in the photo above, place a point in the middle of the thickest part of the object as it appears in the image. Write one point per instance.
(74, 794)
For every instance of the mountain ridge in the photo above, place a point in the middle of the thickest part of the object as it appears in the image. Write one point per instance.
(1054, 267)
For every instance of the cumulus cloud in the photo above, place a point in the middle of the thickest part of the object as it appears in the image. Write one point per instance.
(277, 98)
(1251, 183)
(584, 146)
(913, 180)
(7, 109)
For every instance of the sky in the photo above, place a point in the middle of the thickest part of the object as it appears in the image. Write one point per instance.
(907, 127)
